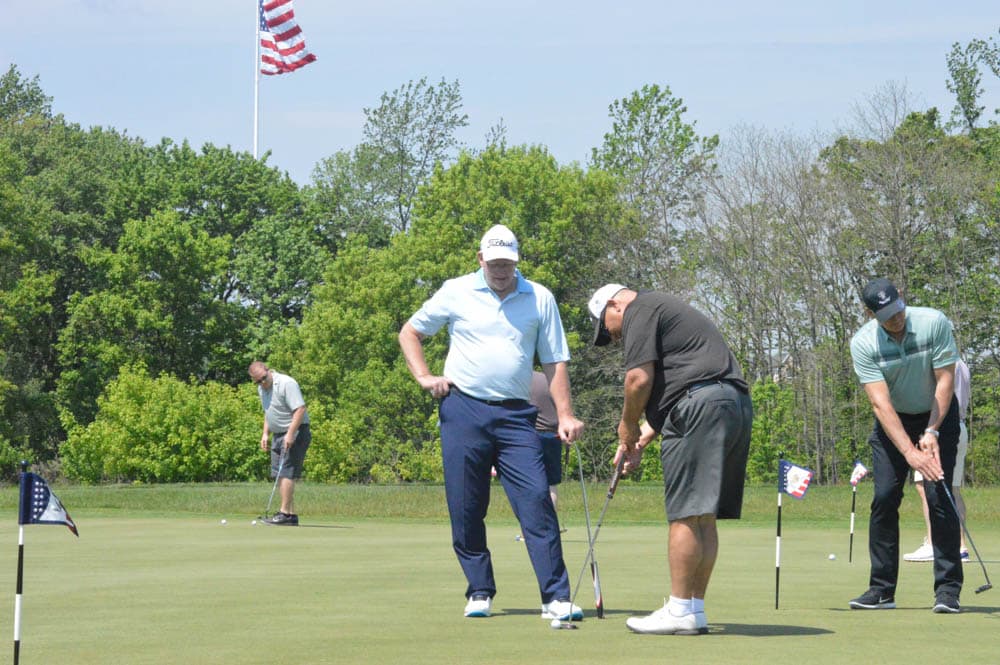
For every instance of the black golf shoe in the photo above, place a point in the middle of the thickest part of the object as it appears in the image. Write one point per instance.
(946, 603)
(282, 519)
(873, 599)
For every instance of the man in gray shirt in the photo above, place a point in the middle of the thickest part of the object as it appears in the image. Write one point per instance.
(286, 432)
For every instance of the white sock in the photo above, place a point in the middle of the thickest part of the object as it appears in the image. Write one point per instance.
(679, 606)
(698, 605)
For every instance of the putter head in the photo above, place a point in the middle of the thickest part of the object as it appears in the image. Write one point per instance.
(985, 587)
(566, 625)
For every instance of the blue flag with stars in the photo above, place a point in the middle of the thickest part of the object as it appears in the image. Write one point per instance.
(40, 506)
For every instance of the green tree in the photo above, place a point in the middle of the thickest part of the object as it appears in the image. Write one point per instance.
(159, 430)
(661, 161)
(372, 189)
(345, 199)
(346, 351)
(158, 308)
(20, 98)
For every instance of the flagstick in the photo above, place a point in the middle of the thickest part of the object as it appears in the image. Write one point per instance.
(777, 555)
(854, 500)
(256, 77)
(17, 597)
(20, 571)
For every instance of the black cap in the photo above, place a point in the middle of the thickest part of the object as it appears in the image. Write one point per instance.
(882, 297)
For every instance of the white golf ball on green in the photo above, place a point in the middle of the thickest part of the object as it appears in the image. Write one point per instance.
(222, 522)
(832, 557)
(556, 623)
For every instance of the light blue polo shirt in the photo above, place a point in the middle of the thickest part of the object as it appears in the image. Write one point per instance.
(493, 343)
(907, 367)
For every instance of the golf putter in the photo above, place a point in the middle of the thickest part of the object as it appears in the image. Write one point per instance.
(590, 558)
(277, 478)
(968, 537)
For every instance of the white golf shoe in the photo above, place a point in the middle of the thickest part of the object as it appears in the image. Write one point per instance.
(923, 553)
(562, 610)
(662, 622)
(479, 605)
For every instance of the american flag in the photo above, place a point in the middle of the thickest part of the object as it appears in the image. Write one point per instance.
(40, 506)
(793, 480)
(282, 45)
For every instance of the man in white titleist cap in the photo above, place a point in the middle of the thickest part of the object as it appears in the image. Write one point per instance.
(498, 322)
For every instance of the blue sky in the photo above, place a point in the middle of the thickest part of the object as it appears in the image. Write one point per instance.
(548, 69)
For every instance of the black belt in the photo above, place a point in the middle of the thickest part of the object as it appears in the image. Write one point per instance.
(506, 403)
(698, 385)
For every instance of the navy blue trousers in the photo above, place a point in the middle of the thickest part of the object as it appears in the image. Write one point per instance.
(475, 436)
(889, 469)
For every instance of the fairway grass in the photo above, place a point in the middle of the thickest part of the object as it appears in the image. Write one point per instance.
(170, 585)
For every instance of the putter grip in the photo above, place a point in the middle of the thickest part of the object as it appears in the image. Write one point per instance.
(615, 477)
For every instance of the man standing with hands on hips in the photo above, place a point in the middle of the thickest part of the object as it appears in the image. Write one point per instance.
(905, 358)
(498, 322)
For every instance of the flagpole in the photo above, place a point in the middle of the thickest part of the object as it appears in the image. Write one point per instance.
(777, 555)
(17, 597)
(256, 77)
(20, 575)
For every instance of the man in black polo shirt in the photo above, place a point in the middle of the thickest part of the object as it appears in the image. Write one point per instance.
(682, 377)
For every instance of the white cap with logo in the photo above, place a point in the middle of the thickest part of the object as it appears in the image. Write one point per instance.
(499, 243)
(598, 303)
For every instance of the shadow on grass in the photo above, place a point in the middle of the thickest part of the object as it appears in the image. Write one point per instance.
(764, 630)
(980, 610)
(966, 609)
(742, 629)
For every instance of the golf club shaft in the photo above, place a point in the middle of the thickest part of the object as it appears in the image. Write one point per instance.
(277, 479)
(615, 477)
(968, 536)
(586, 513)
(598, 594)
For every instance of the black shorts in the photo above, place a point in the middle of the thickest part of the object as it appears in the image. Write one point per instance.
(706, 440)
(292, 466)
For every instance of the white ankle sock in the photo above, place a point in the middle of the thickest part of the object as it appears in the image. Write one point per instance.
(679, 606)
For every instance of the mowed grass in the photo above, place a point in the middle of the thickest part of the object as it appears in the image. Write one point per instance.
(370, 577)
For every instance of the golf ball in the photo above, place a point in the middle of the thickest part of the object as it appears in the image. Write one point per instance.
(556, 623)
(832, 557)
(253, 522)
(222, 522)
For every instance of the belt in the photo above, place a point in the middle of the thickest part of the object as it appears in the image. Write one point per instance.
(507, 403)
(698, 385)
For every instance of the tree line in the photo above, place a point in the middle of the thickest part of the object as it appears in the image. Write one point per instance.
(141, 279)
